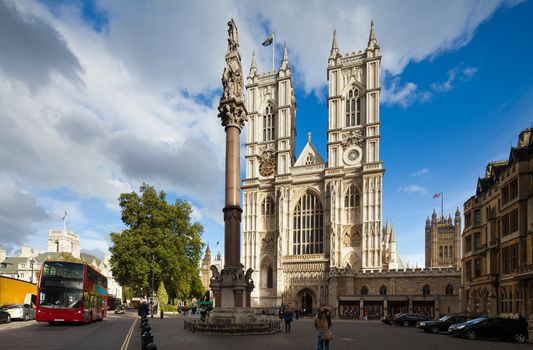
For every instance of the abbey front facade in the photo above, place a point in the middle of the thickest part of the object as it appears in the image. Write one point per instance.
(309, 224)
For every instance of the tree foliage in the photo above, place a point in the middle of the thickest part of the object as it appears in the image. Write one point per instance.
(159, 238)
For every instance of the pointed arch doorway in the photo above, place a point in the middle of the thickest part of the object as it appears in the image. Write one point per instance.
(305, 300)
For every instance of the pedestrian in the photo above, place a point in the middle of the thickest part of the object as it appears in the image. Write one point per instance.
(297, 313)
(143, 309)
(280, 314)
(323, 324)
(366, 315)
(287, 317)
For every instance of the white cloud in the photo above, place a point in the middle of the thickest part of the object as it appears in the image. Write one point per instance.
(423, 171)
(413, 189)
(100, 112)
(403, 95)
(457, 73)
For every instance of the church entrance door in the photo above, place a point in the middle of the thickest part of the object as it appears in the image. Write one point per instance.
(307, 303)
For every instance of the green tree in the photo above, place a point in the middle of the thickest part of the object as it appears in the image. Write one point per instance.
(162, 295)
(159, 238)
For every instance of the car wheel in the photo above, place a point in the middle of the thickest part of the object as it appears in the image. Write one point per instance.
(434, 329)
(470, 334)
(8, 319)
(26, 317)
(519, 338)
(405, 323)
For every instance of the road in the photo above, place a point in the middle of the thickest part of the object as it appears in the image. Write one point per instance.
(107, 334)
(169, 334)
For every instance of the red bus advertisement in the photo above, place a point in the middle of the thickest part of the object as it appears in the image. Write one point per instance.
(70, 292)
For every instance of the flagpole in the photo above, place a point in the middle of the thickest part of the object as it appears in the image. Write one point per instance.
(441, 203)
(273, 46)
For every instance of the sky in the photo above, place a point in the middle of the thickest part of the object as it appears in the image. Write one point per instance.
(97, 97)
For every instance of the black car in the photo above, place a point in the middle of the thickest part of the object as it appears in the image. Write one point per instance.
(409, 319)
(495, 327)
(5, 316)
(443, 323)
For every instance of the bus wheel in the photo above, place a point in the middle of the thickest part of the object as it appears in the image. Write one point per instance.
(51, 323)
(90, 319)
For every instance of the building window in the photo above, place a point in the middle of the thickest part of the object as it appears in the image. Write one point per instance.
(468, 219)
(364, 290)
(269, 123)
(513, 257)
(440, 252)
(513, 189)
(308, 226)
(468, 243)
(426, 291)
(351, 199)
(353, 110)
(477, 217)
(270, 277)
(309, 160)
(468, 270)
(477, 267)
(268, 208)
(513, 221)
(477, 241)
(449, 290)
(383, 290)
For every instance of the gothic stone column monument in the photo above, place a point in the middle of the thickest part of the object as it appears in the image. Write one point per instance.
(232, 286)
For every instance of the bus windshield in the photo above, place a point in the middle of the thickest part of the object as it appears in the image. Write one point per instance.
(61, 285)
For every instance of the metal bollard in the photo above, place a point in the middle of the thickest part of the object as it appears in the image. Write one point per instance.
(151, 346)
(146, 339)
(161, 312)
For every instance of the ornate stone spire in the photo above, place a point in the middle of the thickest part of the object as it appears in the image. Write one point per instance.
(372, 41)
(253, 67)
(231, 109)
(334, 53)
(285, 60)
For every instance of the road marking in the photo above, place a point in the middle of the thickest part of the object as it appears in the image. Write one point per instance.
(128, 336)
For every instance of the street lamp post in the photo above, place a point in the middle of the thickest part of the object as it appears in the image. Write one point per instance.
(32, 261)
(152, 299)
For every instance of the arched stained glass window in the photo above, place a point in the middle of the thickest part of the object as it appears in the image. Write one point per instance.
(353, 108)
(308, 226)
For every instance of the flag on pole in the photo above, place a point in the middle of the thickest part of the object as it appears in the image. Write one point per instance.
(268, 41)
(217, 242)
(437, 195)
(64, 216)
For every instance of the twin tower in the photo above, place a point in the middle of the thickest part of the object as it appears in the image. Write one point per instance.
(304, 215)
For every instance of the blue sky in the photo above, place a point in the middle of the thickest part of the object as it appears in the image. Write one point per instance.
(126, 92)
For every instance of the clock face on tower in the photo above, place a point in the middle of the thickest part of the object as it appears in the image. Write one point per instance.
(267, 167)
(353, 155)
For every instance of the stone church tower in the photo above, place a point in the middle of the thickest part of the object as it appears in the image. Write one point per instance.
(303, 216)
(205, 268)
(443, 241)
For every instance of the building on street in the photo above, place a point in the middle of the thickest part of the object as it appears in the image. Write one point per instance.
(443, 241)
(498, 236)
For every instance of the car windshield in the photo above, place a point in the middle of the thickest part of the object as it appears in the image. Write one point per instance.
(445, 318)
(476, 320)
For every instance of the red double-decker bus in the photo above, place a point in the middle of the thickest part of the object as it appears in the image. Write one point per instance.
(70, 292)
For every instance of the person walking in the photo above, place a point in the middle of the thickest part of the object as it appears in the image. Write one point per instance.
(323, 324)
(143, 309)
(287, 317)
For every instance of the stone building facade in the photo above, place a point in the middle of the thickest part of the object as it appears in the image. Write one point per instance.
(433, 292)
(443, 241)
(498, 236)
(64, 241)
(312, 228)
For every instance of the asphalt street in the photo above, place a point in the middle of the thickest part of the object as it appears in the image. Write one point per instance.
(107, 334)
(169, 334)
(117, 331)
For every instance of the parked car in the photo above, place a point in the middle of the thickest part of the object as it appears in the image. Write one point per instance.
(120, 309)
(5, 317)
(443, 323)
(494, 327)
(20, 311)
(409, 319)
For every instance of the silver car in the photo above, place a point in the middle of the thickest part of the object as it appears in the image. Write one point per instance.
(20, 311)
